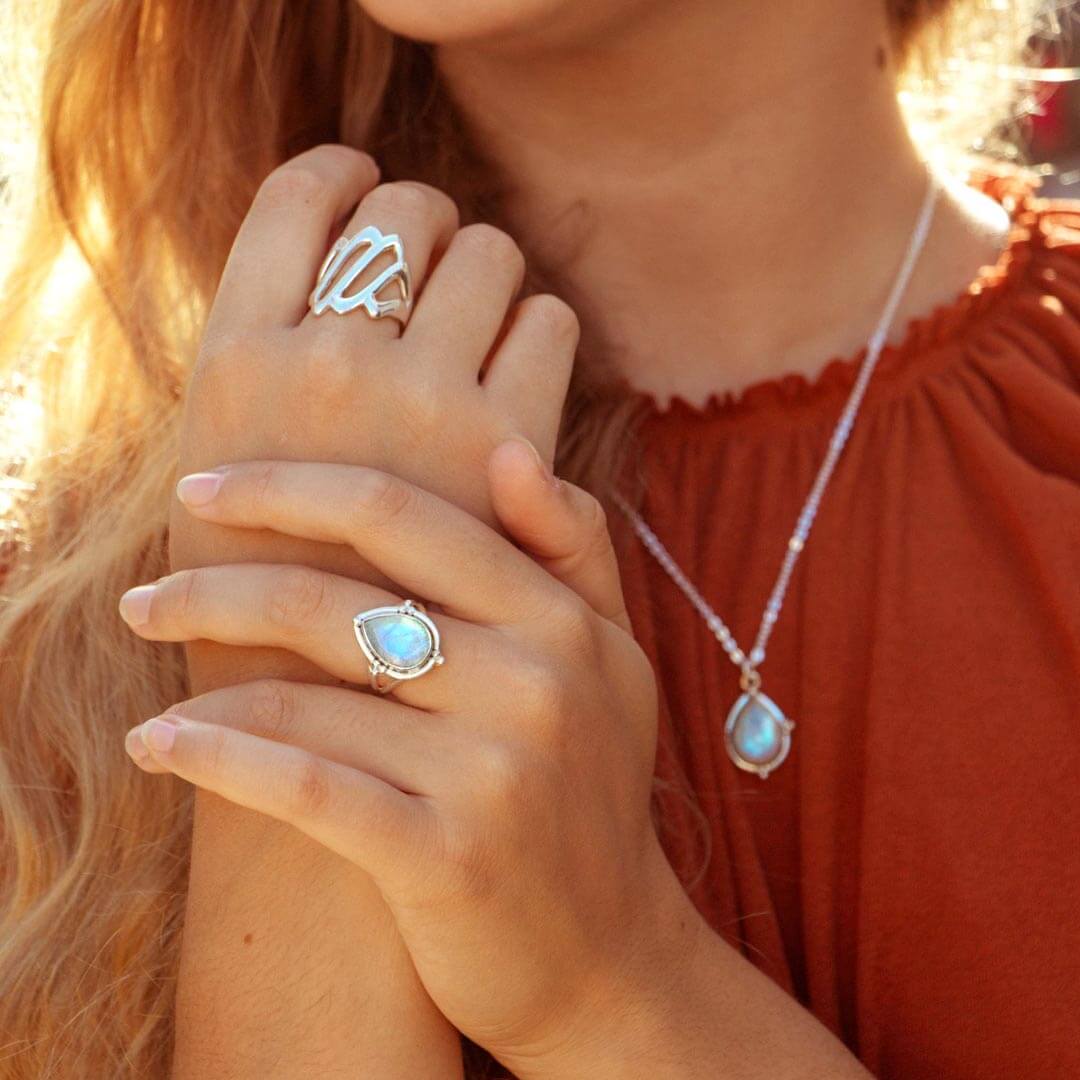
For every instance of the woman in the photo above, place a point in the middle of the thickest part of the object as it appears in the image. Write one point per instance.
(728, 195)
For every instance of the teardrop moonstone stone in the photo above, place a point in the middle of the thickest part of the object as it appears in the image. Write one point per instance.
(402, 641)
(757, 733)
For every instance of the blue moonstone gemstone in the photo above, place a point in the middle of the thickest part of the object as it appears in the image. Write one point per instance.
(400, 640)
(757, 733)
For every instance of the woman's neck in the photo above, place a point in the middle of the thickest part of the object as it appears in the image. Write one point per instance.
(729, 186)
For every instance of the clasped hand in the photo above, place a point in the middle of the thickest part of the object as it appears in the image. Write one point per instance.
(501, 801)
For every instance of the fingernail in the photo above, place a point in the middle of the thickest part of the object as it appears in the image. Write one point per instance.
(135, 605)
(197, 489)
(160, 733)
(541, 466)
(134, 745)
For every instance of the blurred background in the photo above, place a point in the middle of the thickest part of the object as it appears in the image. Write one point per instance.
(1049, 134)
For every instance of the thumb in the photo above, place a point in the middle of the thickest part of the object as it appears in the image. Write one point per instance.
(562, 526)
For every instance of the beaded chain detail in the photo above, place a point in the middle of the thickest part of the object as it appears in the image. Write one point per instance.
(748, 664)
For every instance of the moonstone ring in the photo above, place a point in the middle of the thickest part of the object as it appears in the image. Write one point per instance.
(399, 642)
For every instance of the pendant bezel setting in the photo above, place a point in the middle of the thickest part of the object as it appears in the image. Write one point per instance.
(784, 727)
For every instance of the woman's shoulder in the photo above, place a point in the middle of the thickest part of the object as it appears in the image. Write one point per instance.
(992, 378)
(1020, 313)
(1022, 339)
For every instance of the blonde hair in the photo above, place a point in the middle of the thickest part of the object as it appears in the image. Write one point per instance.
(156, 121)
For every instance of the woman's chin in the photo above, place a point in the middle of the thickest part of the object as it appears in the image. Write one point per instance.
(446, 22)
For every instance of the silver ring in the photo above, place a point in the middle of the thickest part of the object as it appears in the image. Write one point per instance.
(347, 260)
(399, 642)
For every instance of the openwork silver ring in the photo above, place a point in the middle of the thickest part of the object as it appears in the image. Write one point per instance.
(400, 642)
(347, 260)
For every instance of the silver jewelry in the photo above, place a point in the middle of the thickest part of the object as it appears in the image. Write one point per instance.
(757, 734)
(335, 276)
(399, 642)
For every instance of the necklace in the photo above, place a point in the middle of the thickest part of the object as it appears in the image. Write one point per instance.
(757, 734)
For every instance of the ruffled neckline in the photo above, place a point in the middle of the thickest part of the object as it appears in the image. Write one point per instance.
(951, 322)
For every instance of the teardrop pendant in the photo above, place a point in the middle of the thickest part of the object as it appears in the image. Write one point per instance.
(757, 734)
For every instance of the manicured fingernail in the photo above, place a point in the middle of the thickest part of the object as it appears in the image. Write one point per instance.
(134, 745)
(160, 733)
(135, 605)
(197, 489)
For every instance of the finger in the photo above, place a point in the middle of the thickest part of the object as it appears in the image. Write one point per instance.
(564, 527)
(430, 547)
(360, 817)
(467, 296)
(530, 371)
(397, 744)
(424, 219)
(307, 611)
(283, 239)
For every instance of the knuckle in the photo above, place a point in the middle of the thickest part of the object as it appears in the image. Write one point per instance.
(406, 199)
(556, 317)
(263, 479)
(384, 498)
(298, 599)
(310, 795)
(335, 154)
(502, 769)
(572, 612)
(541, 688)
(325, 370)
(269, 709)
(182, 595)
(293, 184)
(224, 349)
(552, 703)
(493, 245)
(594, 546)
(598, 535)
(421, 408)
(574, 624)
(210, 756)
(225, 359)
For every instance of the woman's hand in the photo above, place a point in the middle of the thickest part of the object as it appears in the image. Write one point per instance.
(474, 366)
(501, 801)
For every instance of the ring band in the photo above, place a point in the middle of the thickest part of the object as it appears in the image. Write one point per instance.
(399, 642)
(347, 260)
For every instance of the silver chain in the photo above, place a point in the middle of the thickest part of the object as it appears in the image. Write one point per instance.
(750, 663)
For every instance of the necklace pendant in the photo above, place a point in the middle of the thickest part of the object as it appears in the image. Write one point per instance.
(757, 734)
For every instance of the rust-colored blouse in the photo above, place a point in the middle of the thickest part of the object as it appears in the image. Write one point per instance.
(912, 871)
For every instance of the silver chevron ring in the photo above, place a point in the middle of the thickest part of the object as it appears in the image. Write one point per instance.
(347, 260)
(400, 642)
